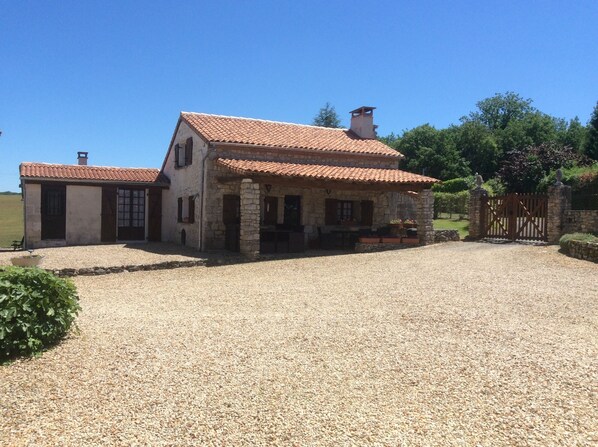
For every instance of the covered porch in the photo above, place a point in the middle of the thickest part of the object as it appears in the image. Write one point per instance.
(285, 207)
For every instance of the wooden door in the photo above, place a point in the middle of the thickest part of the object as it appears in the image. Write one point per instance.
(292, 211)
(108, 214)
(270, 210)
(154, 232)
(367, 213)
(53, 211)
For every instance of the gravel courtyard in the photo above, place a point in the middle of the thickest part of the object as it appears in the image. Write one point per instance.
(459, 344)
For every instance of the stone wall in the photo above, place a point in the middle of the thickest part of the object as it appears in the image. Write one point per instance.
(583, 250)
(559, 201)
(425, 216)
(475, 212)
(446, 236)
(250, 218)
(580, 221)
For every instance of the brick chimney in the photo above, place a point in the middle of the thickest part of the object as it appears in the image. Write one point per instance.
(82, 158)
(362, 122)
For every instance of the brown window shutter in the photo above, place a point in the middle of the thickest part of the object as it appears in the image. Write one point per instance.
(189, 151)
(180, 209)
(330, 212)
(176, 155)
(367, 212)
(191, 209)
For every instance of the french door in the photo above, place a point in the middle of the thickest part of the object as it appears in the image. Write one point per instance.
(131, 214)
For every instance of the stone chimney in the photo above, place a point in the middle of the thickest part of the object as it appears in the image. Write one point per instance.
(362, 122)
(82, 158)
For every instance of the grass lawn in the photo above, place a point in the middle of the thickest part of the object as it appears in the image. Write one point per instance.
(453, 224)
(11, 219)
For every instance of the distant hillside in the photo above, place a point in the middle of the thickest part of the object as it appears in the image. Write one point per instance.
(9, 193)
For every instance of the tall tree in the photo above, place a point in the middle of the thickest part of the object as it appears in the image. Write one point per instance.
(498, 111)
(478, 146)
(575, 135)
(432, 152)
(591, 143)
(327, 117)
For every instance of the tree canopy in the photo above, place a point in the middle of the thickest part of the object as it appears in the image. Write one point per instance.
(503, 138)
(327, 117)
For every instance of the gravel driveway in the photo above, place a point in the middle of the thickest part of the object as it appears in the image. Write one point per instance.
(459, 344)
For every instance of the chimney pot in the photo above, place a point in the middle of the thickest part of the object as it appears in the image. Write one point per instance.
(362, 122)
(82, 158)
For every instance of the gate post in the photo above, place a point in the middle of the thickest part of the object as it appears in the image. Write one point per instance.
(249, 243)
(559, 201)
(425, 217)
(475, 209)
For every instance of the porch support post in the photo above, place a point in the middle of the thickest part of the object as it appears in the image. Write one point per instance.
(425, 216)
(475, 212)
(249, 243)
(559, 201)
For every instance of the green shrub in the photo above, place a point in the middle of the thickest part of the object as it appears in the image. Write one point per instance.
(36, 310)
(454, 185)
(495, 187)
(450, 203)
(582, 237)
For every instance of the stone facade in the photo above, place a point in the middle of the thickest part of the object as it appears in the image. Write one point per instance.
(580, 221)
(559, 201)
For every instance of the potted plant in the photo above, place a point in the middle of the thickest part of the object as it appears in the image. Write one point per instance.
(395, 225)
(410, 223)
(391, 240)
(29, 260)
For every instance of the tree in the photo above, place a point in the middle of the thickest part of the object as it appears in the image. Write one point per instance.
(432, 152)
(478, 146)
(498, 111)
(575, 135)
(591, 143)
(523, 169)
(327, 117)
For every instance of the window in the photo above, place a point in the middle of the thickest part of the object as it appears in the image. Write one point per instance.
(183, 154)
(186, 213)
(344, 211)
(131, 208)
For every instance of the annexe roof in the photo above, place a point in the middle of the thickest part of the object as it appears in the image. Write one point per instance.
(94, 174)
(256, 132)
(327, 173)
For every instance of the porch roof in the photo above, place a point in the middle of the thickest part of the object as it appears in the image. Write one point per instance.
(355, 175)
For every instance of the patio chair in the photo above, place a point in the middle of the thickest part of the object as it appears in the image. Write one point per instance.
(16, 245)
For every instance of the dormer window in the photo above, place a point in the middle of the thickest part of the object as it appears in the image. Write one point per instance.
(183, 153)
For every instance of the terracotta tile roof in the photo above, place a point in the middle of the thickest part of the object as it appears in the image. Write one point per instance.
(228, 129)
(92, 173)
(322, 172)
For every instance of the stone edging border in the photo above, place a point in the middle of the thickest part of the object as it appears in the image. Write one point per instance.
(587, 251)
(91, 271)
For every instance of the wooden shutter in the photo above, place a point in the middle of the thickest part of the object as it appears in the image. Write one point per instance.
(108, 224)
(330, 212)
(179, 212)
(191, 209)
(154, 232)
(176, 155)
(189, 151)
(367, 213)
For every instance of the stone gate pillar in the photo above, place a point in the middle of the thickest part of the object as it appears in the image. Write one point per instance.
(425, 217)
(559, 201)
(475, 212)
(249, 243)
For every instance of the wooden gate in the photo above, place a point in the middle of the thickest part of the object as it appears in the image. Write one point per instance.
(515, 217)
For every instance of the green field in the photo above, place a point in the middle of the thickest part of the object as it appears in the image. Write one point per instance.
(11, 219)
(453, 224)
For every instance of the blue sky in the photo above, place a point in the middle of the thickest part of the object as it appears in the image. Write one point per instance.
(111, 77)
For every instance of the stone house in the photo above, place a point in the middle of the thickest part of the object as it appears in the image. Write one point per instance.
(232, 183)
(248, 184)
